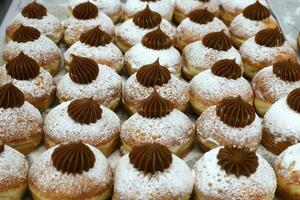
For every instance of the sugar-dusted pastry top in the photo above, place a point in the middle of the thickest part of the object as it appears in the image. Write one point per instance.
(237, 5)
(186, 6)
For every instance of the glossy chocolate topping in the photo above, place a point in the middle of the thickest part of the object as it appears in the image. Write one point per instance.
(217, 40)
(157, 40)
(86, 10)
(11, 96)
(34, 10)
(256, 11)
(227, 68)
(293, 100)
(201, 16)
(26, 34)
(287, 70)
(95, 37)
(270, 37)
(147, 18)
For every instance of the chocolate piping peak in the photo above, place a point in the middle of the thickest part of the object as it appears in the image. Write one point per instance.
(147, 18)
(201, 16)
(11, 96)
(34, 10)
(293, 100)
(217, 40)
(157, 40)
(85, 11)
(256, 11)
(25, 34)
(287, 70)
(270, 37)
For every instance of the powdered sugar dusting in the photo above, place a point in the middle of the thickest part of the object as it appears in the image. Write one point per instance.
(186, 6)
(212, 181)
(176, 182)
(234, 5)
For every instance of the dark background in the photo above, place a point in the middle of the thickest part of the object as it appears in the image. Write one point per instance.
(4, 5)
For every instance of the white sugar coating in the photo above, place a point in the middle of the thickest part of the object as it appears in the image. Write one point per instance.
(200, 56)
(49, 25)
(13, 166)
(210, 128)
(44, 175)
(238, 5)
(189, 29)
(175, 90)
(43, 50)
(132, 34)
(40, 86)
(175, 182)
(170, 130)
(170, 58)
(246, 28)
(212, 88)
(20, 122)
(256, 53)
(266, 85)
(105, 87)
(60, 127)
(212, 181)
(75, 27)
(282, 122)
(186, 6)
(109, 53)
(164, 7)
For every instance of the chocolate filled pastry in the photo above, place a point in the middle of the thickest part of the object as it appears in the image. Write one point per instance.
(162, 175)
(84, 17)
(71, 171)
(234, 173)
(281, 123)
(82, 120)
(36, 15)
(273, 83)
(88, 79)
(266, 48)
(35, 45)
(13, 173)
(21, 123)
(140, 85)
(158, 121)
(36, 83)
(133, 30)
(97, 45)
(224, 79)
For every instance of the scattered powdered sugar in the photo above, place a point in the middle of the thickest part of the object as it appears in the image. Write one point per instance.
(173, 129)
(240, 5)
(189, 29)
(213, 182)
(43, 174)
(175, 182)
(283, 122)
(202, 57)
(164, 7)
(105, 87)
(246, 28)
(43, 50)
(170, 58)
(20, 123)
(132, 34)
(210, 128)
(62, 128)
(212, 88)
(186, 6)
(41, 86)
(109, 53)
(175, 90)
(13, 166)
(266, 85)
(256, 53)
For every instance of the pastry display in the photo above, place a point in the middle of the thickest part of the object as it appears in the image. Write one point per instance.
(157, 121)
(82, 120)
(275, 82)
(71, 171)
(155, 44)
(231, 122)
(164, 7)
(224, 79)
(36, 83)
(266, 48)
(198, 23)
(254, 18)
(234, 173)
(230, 9)
(33, 44)
(88, 79)
(36, 15)
(13, 173)
(281, 123)
(84, 17)
(21, 123)
(98, 46)
(150, 171)
(287, 172)
(140, 85)
(201, 55)
(184, 7)
(132, 30)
